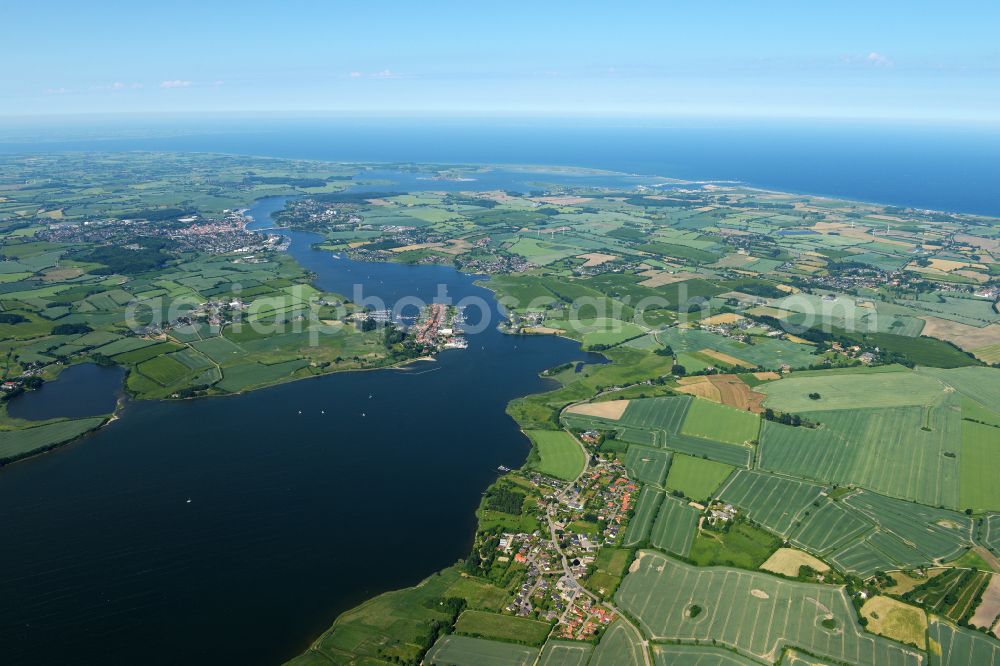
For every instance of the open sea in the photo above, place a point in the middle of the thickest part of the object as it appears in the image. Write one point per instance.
(935, 167)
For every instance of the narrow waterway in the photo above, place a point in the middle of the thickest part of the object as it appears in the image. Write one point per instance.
(234, 530)
(86, 389)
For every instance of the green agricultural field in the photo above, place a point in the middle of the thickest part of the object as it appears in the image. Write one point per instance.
(697, 655)
(612, 334)
(955, 646)
(862, 559)
(753, 613)
(775, 502)
(219, 349)
(608, 569)
(246, 375)
(565, 653)
(850, 390)
(697, 478)
(620, 646)
(675, 527)
(765, 352)
(905, 452)
(125, 345)
(742, 545)
(192, 359)
(478, 593)
(980, 384)
(938, 534)
(979, 465)
(502, 627)
(657, 413)
(729, 454)
(559, 454)
(642, 520)
(646, 464)
(721, 423)
(542, 253)
(137, 356)
(467, 651)
(828, 527)
(163, 370)
(15, 444)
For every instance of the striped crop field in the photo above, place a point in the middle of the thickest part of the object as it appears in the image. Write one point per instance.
(721, 423)
(647, 465)
(753, 613)
(657, 413)
(675, 527)
(775, 502)
(830, 526)
(645, 513)
(905, 452)
(959, 647)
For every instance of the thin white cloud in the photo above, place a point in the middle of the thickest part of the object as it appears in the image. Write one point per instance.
(56, 91)
(879, 60)
(382, 74)
(175, 83)
(870, 59)
(119, 85)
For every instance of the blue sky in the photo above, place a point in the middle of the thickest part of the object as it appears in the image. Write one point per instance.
(923, 61)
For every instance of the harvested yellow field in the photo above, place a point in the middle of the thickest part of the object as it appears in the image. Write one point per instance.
(894, 619)
(973, 275)
(786, 561)
(966, 337)
(543, 330)
(724, 318)
(701, 388)
(455, 246)
(989, 608)
(61, 274)
(991, 245)
(563, 201)
(415, 246)
(788, 289)
(864, 233)
(606, 410)
(989, 353)
(596, 258)
(725, 358)
(767, 375)
(724, 389)
(768, 311)
(734, 260)
(796, 339)
(947, 265)
(661, 278)
(904, 583)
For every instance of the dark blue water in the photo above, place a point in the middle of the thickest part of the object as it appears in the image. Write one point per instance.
(939, 167)
(81, 390)
(293, 517)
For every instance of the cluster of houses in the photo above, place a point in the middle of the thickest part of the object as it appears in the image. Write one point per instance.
(583, 618)
(227, 234)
